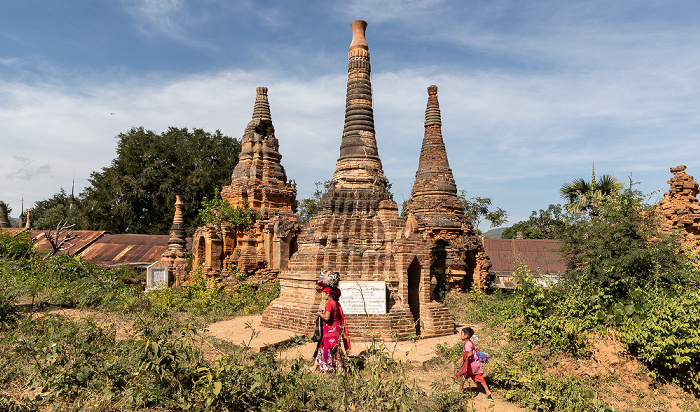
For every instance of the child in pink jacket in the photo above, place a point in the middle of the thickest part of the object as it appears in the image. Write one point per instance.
(471, 364)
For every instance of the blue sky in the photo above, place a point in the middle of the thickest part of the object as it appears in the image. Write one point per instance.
(531, 92)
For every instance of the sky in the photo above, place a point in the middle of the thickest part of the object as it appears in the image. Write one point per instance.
(532, 93)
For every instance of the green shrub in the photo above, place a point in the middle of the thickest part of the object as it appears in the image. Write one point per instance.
(622, 248)
(661, 328)
(15, 247)
(219, 210)
(521, 372)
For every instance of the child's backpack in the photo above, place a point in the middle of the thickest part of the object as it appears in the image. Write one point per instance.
(483, 357)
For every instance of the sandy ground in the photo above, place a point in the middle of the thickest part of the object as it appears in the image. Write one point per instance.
(249, 331)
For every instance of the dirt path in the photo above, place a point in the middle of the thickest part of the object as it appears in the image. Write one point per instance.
(416, 355)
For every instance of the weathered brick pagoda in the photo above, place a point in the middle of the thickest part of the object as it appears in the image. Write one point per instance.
(259, 182)
(458, 256)
(359, 233)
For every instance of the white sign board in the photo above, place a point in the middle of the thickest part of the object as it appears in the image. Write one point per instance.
(156, 276)
(363, 297)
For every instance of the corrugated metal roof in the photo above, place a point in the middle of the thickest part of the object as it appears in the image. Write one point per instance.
(110, 250)
(83, 239)
(135, 250)
(541, 256)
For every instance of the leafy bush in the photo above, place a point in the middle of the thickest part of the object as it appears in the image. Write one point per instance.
(521, 372)
(661, 328)
(202, 299)
(622, 248)
(218, 210)
(15, 247)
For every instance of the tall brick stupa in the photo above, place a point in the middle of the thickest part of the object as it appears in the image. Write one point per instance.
(458, 256)
(359, 234)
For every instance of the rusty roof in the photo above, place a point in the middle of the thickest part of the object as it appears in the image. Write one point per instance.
(541, 256)
(109, 250)
(127, 249)
(83, 239)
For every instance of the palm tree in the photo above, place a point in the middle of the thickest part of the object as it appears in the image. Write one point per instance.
(587, 197)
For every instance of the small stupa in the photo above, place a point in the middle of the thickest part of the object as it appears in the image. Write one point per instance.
(175, 256)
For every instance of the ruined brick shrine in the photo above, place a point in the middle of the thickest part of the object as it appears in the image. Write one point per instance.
(358, 231)
(680, 209)
(259, 182)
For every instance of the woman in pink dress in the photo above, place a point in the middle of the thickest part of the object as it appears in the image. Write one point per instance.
(335, 331)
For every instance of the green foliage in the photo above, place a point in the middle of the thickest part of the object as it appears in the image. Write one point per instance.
(198, 298)
(161, 367)
(521, 372)
(661, 328)
(15, 247)
(308, 206)
(551, 222)
(136, 193)
(527, 231)
(48, 214)
(477, 209)
(588, 197)
(541, 324)
(622, 248)
(218, 210)
(542, 316)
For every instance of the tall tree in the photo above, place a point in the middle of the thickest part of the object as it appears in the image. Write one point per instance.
(478, 209)
(136, 194)
(48, 214)
(550, 222)
(623, 248)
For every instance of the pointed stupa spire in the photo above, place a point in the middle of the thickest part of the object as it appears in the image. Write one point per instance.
(434, 193)
(22, 215)
(177, 241)
(260, 157)
(358, 175)
(71, 199)
(261, 110)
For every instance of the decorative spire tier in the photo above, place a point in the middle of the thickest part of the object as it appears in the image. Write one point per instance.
(359, 183)
(175, 256)
(260, 157)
